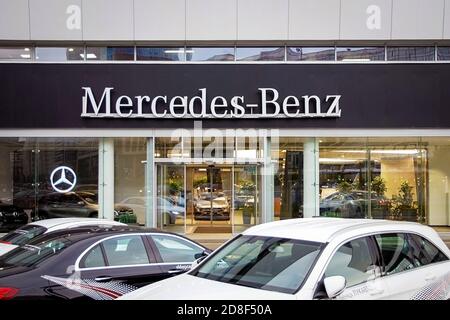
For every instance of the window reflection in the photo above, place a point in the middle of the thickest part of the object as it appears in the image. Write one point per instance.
(360, 54)
(60, 53)
(443, 53)
(310, 54)
(109, 53)
(260, 54)
(210, 54)
(160, 54)
(15, 53)
(410, 53)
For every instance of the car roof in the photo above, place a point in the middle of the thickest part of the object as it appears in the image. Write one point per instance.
(95, 231)
(58, 223)
(322, 229)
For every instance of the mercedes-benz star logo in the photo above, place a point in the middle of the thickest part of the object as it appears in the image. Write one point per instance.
(63, 179)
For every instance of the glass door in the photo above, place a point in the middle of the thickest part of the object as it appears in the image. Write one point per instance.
(246, 203)
(170, 199)
(209, 193)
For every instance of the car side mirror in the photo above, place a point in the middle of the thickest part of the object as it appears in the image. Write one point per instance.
(334, 285)
(202, 255)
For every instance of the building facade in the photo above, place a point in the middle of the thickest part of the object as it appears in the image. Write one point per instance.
(211, 116)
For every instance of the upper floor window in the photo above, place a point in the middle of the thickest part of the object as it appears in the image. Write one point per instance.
(310, 54)
(443, 53)
(362, 54)
(260, 54)
(210, 54)
(15, 53)
(160, 53)
(59, 53)
(410, 53)
(110, 53)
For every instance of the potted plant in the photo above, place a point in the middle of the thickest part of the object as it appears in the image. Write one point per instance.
(404, 207)
(380, 206)
(248, 188)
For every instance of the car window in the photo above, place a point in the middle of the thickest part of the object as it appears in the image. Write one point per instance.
(429, 252)
(125, 250)
(274, 264)
(397, 253)
(175, 249)
(23, 234)
(94, 258)
(354, 262)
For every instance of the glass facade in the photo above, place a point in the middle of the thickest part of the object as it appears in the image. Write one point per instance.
(360, 54)
(410, 54)
(220, 187)
(110, 53)
(59, 53)
(310, 54)
(260, 54)
(210, 54)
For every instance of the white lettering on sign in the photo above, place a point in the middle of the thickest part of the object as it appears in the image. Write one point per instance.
(373, 21)
(73, 21)
(200, 106)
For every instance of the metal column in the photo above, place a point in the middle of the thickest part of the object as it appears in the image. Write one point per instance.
(310, 178)
(106, 178)
(150, 211)
(267, 212)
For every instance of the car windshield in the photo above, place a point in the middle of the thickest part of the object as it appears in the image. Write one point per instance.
(89, 197)
(30, 255)
(23, 234)
(267, 263)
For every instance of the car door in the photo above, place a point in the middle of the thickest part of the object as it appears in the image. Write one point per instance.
(175, 254)
(358, 262)
(413, 267)
(118, 265)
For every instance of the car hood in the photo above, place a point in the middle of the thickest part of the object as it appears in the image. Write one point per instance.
(188, 287)
(4, 248)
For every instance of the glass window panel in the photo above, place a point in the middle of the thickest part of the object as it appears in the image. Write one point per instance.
(260, 54)
(160, 54)
(130, 159)
(174, 249)
(94, 258)
(310, 54)
(288, 180)
(128, 250)
(443, 53)
(210, 54)
(410, 54)
(15, 53)
(59, 54)
(397, 253)
(354, 262)
(169, 147)
(110, 53)
(360, 53)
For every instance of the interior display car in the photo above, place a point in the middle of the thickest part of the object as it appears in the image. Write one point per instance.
(75, 204)
(352, 204)
(318, 258)
(11, 217)
(100, 262)
(212, 205)
(34, 229)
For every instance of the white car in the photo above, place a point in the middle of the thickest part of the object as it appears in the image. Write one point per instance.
(30, 231)
(318, 258)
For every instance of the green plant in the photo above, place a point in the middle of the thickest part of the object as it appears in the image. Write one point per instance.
(175, 185)
(345, 186)
(403, 205)
(247, 186)
(378, 186)
(200, 181)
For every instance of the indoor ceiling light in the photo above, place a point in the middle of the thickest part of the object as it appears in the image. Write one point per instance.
(25, 56)
(355, 60)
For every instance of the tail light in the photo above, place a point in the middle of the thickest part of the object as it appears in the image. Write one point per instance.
(8, 293)
(5, 242)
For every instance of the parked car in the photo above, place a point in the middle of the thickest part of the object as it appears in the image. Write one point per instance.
(318, 258)
(75, 204)
(28, 232)
(11, 217)
(217, 202)
(94, 262)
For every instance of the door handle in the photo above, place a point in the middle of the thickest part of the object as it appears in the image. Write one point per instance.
(103, 279)
(175, 271)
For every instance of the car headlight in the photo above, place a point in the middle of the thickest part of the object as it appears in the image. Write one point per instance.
(175, 212)
(116, 214)
(1, 214)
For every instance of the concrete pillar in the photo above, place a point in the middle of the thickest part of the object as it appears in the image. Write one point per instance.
(267, 188)
(311, 178)
(106, 178)
(150, 208)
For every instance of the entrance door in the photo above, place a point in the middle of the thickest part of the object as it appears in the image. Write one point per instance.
(209, 192)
